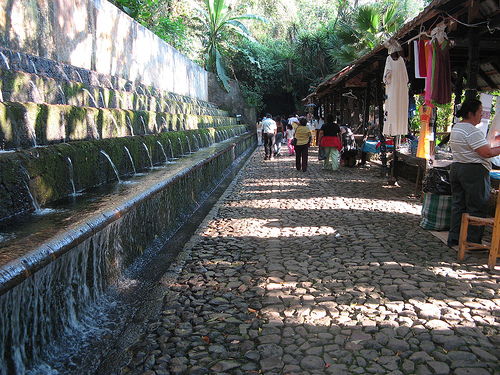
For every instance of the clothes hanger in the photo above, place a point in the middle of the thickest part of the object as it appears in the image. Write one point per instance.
(420, 34)
(349, 95)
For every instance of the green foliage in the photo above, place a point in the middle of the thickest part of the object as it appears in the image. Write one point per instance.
(220, 26)
(302, 43)
(173, 31)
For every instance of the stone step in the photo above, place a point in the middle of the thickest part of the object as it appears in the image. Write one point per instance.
(24, 125)
(34, 66)
(18, 86)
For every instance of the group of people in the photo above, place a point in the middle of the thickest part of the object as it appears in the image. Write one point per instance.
(469, 172)
(298, 137)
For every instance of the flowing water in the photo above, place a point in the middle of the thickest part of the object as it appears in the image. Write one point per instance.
(172, 156)
(131, 160)
(71, 176)
(180, 145)
(163, 151)
(149, 154)
(112, 165)
(96, 321)
(5, 60)
(90, 96)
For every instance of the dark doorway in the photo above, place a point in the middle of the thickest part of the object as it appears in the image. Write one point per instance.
(278, 105)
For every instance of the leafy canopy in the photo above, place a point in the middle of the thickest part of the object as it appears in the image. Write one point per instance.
(221, 25)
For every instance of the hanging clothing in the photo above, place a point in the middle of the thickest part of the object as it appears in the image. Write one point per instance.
(424, 51)
(441, 88)
(430, 78)
(396, 102)
(438, 87)
(423, 150)
(417, 85)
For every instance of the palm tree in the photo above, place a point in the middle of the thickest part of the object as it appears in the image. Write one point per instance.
(368, 28)
(220, 23)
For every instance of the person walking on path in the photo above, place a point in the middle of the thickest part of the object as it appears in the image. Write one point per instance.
(294, 121)
(279, 136)
(289, 135)
(469, 172)
(329, 139)
(269, 130)
(303, 136)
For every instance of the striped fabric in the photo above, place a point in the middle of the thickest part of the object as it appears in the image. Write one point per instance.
(464, 139)
(436, 212)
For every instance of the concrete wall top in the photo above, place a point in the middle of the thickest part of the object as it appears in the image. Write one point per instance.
(95, 35)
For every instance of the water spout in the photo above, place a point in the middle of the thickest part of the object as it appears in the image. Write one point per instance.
(164, 123)
(63, 72)
(172, 157)
(110, 83)
(163, 151)
(35, 204)
(144, 125)
(5, 60)
(200, 140)
(149, 155)
(114, 120)
(79, 76)
(36, 94)
(180, 145)
(196, 141)
(63, 98)
(71, 176)
(112, 165)
(34, 67)
(131, 160)
(91, 97)
(129, 123)
(102, 99)
(189, 145)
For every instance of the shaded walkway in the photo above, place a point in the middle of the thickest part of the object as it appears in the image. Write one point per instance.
(321, 273)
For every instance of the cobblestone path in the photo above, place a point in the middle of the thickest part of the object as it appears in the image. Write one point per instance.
(321, 273)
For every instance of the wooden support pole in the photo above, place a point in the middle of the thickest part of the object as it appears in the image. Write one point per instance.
(472, 65)
(381, 117)
(366, 117)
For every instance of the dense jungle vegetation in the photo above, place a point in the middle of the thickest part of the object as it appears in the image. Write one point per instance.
(278, 50)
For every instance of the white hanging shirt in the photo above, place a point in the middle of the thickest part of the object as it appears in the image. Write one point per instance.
(396, 103)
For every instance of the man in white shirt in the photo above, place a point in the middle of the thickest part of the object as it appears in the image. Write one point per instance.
(294, 121)
(269, 130)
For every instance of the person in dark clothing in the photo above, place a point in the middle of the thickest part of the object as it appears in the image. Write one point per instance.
(303, 136)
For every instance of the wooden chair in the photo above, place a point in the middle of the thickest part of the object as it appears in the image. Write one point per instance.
(494, 222)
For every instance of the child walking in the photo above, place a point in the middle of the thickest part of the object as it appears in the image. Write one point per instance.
(289, 133)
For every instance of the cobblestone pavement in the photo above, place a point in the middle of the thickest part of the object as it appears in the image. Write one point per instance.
(321, 273)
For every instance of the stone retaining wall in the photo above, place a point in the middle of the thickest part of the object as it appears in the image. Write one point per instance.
(95, 35)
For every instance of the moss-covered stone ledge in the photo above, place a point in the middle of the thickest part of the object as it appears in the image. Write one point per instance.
(40, 175)
(24, 87)
(25, 125)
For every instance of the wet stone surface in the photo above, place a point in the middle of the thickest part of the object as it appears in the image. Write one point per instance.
(321, 273)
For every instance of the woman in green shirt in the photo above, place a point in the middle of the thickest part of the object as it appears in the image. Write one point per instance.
(303, 136)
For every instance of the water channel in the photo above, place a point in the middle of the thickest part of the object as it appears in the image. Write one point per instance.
(90, 335)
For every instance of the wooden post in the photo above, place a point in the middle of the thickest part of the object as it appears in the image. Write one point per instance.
(366, 116)
(472, 65)
(381, 117)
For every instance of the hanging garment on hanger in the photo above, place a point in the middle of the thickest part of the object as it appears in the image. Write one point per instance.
(417, 83)
(429, 80)
(441, 86)
(396, 103)
(423, 149)
(416, 58)
(421, 56)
